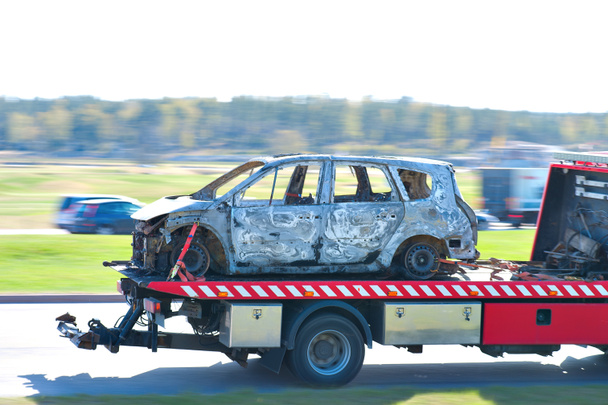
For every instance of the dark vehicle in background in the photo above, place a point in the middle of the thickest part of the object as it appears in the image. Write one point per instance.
(484, 220)
(64, 212)
(102, 216)
(513, 194)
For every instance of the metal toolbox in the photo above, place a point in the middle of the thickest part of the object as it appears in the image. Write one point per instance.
(406, 323)
(251, 325)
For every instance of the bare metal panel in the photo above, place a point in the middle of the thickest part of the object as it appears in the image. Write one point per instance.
(405, 323)
(251, 325)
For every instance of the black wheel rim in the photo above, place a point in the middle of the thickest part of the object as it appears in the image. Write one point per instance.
(421, 261)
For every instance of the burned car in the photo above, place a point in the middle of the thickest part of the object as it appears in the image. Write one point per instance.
(313, 214)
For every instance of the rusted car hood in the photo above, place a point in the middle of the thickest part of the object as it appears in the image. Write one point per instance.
(168, 205)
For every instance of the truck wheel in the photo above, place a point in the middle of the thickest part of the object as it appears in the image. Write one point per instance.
(328, 351)
(420, 261)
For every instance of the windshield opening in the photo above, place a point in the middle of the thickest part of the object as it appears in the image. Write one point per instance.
(228, 181)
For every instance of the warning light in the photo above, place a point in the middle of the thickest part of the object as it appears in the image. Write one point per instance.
(152, 305)
(473, 293)
(392, 293)
(309, 294)
(222, 294)
(552, 293)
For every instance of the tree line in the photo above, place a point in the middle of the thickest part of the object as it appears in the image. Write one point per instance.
(149, 130)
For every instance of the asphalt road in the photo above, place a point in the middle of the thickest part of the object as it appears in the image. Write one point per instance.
(35, 360)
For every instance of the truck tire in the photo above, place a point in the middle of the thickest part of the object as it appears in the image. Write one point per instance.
(420, 261)
(328, 351)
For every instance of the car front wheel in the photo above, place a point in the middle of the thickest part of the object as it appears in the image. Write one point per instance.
(196, 259)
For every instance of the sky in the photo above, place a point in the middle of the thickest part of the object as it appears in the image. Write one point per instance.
(535, 55)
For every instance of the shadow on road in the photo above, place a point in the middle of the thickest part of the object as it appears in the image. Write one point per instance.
(218, 378)
(229, 377)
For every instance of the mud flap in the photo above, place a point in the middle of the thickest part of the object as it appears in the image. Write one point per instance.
(273, 359)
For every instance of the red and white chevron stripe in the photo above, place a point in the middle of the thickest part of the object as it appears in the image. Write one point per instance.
(288, 290)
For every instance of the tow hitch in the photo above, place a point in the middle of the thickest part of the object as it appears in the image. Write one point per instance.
(82, 340)
(125, 335)
(99, 334)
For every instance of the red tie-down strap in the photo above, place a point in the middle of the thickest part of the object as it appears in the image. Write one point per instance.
(180, 268)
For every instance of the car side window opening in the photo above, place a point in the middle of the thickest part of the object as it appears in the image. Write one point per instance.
(418, 185)
(291, 185)
(361, 184)
(125, 208)
(88, 210)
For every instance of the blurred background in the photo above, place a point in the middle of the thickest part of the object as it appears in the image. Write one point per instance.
(142, 99)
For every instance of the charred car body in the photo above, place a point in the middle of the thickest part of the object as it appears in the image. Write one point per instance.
(312, 214)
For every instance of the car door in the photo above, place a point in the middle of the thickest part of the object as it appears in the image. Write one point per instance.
(364, 212)
(276, 220)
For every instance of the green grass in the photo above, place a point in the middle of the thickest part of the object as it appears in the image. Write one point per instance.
(556, 395)
(60, 263)
(507, 245)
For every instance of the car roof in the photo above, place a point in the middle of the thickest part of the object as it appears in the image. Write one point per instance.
(98, 201)
(388, 160)
(110, 196)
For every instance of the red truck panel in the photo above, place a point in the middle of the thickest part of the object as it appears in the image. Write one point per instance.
(518, 324)
(289, 290)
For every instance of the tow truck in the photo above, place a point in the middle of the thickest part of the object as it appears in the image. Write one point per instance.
(319, 325)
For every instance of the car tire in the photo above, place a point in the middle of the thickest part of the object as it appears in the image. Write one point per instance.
(420, 261)
(105, 230)
(328, 351)
(196, 260)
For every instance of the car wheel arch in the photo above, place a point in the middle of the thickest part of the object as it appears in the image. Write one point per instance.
(439, 244)
(207, 237)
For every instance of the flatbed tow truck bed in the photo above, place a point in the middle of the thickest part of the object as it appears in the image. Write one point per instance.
(464, 284)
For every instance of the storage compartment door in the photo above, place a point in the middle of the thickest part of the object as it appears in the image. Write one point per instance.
(408, 323)
(251, 325)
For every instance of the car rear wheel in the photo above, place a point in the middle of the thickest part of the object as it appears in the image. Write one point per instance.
(420, 261)
(105, 230)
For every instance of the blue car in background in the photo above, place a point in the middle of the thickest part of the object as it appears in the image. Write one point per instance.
(64, 214)
(101, 216)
